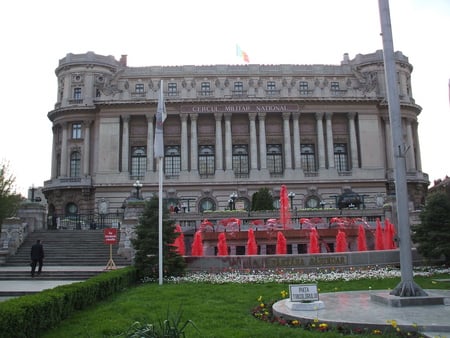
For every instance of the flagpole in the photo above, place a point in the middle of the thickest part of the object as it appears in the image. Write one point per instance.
(159, 154)
(407, 287)
(160, 219)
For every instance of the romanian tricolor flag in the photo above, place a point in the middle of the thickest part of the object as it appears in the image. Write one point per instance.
(242, 54)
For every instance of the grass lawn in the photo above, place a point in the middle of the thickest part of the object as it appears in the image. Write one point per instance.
(218, 310)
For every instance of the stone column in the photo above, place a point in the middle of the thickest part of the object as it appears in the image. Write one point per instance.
(410, 154)
(219, 148)
(86, 146)
(54, 161)
(296, 131)
(287, 141)
(262, 141)
(125, 142)
(88, 88)
(388, 144)
(353, 142)
(67, 94)
(150, 140)
(320, 140)
(330, 145)
(253, 145)
(417, 148)
(228, 143)
(64, 150)
(194, 143)
(184, 142)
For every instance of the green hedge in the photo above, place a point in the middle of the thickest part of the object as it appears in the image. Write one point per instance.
(31, 315)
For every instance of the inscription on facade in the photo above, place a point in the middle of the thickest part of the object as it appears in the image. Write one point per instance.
(307, 261)
(241, 108)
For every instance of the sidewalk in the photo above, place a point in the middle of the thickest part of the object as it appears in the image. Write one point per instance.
(14, 288)
(356, 309)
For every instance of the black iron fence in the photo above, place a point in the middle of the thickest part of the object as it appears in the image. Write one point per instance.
(90, 221)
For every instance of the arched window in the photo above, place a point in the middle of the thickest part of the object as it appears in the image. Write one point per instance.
(71, 209)
(207, 204)
(138, 162)
(75, 164)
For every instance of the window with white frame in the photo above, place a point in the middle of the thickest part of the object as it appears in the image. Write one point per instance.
(206, 160)
(308, 157)
(341, 156)
(172, 161)
(274, 158)
(75, 164)
(240, 160)
(138, 162)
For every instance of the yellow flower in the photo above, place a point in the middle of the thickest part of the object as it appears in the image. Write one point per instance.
(261, 305)
(392, 322)
(260, 299)
(433, 282)
(376, 331)
(316, 320)
(295, 322)
(284, 294)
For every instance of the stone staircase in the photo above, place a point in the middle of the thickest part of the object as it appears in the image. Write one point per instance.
(69, 254)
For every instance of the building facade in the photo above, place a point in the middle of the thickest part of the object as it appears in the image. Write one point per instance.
(321, 130)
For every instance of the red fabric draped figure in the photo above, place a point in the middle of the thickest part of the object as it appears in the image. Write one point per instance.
(252, 247)
(197, 245)
(222, 246)
(281, 244)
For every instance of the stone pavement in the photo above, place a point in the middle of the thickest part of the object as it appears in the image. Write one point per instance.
(356, 309)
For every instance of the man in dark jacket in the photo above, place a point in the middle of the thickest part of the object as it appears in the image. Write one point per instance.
(37, 256)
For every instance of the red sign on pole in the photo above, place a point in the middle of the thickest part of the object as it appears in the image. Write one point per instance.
(110, 235)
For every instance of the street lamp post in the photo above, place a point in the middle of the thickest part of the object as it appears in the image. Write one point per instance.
(138, 186)
(291, 196)
(233, 197)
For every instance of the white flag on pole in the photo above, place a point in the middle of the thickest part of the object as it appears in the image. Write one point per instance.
(160, 117)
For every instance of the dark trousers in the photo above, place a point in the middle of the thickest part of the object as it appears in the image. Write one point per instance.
(35, 262)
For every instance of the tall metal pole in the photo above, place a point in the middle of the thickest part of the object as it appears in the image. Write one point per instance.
(160, 220)
(407, 287)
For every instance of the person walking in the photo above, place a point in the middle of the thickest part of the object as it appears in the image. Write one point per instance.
(37, 257)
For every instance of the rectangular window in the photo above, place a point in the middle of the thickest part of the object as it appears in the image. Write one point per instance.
(205, 89)
(139, 88)
(274, 159)
(271, 88)
(206, 161)
(138, 162)
(172, 89)
(334, 87)
(240, 160)
(77, 93)
(308, 157)
(303, 88)
(172, 161)
(238, 88)
(76, 131)
(341, 156)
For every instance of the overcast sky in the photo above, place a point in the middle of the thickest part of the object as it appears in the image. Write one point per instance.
(36, 34)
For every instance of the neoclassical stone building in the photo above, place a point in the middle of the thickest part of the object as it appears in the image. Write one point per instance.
(321, 130)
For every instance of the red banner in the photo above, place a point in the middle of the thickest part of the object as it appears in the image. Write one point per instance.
(110, 235)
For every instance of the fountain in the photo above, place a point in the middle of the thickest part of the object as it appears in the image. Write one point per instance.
(379, 238)
(197, 245)
(179, 241)
(341, 242)
(389, 234)
(313, 242)
(285, 215)
(281, 244)
(362, 245)
(252, 248)
(222, 245)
